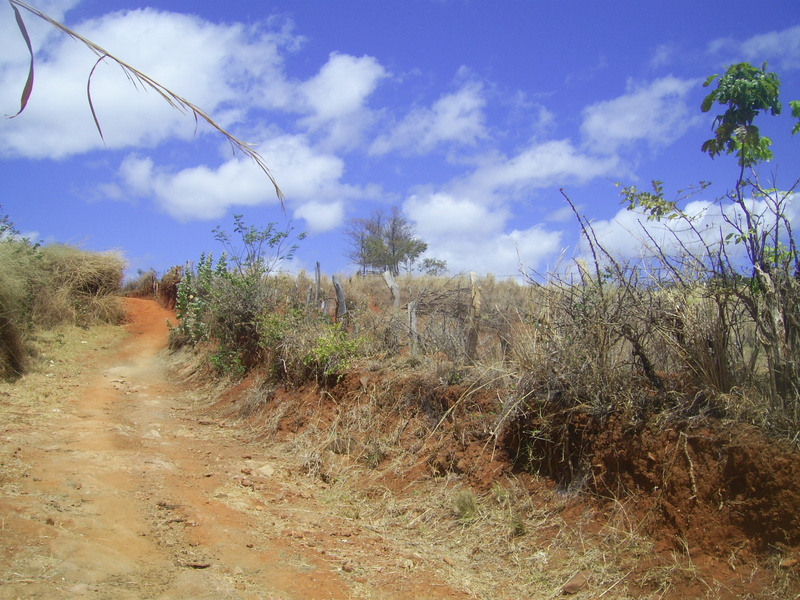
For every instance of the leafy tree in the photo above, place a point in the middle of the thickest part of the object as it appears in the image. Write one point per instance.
(384, 242)
(361, 233)
(433, 266)
(400, 246)
(760, 224)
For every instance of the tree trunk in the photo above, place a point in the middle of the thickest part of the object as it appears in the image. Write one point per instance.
(394, 288)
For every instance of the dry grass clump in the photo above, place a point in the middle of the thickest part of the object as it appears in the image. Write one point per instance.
(432, 317)
(44, 287)
(15, 302)
(465, 506)
(503, 543)
(81, 272)
(77, 286)
(12, 349)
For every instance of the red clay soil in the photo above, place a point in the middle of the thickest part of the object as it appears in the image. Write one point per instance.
(715, 487)
(723, 496)
(132, 491)
(115, 488)
(700, 483)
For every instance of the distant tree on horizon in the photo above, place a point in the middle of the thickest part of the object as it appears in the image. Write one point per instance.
(384, 242)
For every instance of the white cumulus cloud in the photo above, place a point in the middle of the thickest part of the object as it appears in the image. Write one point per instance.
(342, 85)
(336, 97)
(456, 117)
(780, 48)
(303, 172)
(321, 216)
(656, 113)
(542, 164)
(310, 179)
(441, 215)
(471, 236)
(198, 192)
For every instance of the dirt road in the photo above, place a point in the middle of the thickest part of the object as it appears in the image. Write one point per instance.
(113, 486)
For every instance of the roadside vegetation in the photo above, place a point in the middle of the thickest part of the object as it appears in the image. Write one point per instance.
(706, 319)
(44, 287)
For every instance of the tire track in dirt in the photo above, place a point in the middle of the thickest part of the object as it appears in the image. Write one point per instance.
(130, 495)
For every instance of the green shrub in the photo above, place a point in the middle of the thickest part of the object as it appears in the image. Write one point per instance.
(331, 353)
(301, 346)
(223, 304)
(227, 362)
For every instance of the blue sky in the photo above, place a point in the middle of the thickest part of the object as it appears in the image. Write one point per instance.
(468, 115)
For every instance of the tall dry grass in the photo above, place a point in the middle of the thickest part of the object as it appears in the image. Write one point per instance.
(77, 286)
(44, 287)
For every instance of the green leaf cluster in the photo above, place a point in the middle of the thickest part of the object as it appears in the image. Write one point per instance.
(332, 352)
(746, 92)
(654, 204)
(256, 251)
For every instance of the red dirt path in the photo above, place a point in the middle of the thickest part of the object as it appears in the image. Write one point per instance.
(113, 488)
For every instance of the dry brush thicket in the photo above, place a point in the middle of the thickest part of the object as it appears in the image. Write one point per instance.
(626, 343)
(613, 339)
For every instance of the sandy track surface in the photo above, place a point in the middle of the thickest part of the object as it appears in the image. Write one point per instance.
(113, 486)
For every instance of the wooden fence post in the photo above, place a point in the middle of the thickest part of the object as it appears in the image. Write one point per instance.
(341, 305)
(413, 334)
(317, 286)
(473, 316)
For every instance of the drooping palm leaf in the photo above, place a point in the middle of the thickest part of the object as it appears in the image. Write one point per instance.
(26, 91)
(137, 78)
(89, 97)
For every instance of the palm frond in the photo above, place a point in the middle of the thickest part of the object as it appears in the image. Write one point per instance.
(26, 91)
(137, 78)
